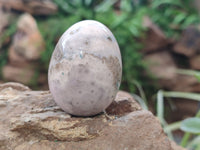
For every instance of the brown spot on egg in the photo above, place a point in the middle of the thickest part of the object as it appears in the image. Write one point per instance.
(86, 71)
(115, 68)
(70, 102)
(109, 38)
(72, 32)
(57, 67)
(58, 55)
(80, 70)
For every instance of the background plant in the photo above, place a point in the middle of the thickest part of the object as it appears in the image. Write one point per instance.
(5, 40)
(191, 126)
(124, 18)
(173, 16)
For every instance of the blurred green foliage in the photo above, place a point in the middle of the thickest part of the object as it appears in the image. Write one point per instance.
(172, 16)
(124, 18)
(7, 34)
(125, 23)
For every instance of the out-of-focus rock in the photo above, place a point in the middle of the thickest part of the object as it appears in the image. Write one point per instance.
(15, 59)
(36, 7)
(176, 147)
(196, 4)
(189, 43)
(23, 75)
(31, 120)
(42, 79)
(184, 108)
(163, 67)
(4, 22)
(155, 38)
(25, 52)
(28, 43)
(188, 84)
(195, 62)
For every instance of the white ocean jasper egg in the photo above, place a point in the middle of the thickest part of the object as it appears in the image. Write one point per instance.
(85, 69)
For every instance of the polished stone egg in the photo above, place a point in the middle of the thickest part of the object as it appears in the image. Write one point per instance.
(85, 69)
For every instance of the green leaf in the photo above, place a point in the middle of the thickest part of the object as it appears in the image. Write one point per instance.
(65, 6)
(198, 77)
(191, 20)
(179, 18)
(125, 5)
(157, 3)
(104, 6)
(119, 20)
(160, 106)
(88, 2)
(191, 125)
(194, 143)
(190, 73)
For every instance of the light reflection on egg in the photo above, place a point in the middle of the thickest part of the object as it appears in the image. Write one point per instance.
(85, 69)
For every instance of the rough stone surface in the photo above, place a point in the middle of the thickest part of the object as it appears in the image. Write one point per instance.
(155, 38)
(36, 7)
(30, 120)
(176, 147)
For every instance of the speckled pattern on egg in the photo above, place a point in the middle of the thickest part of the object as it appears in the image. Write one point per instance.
(85, 69)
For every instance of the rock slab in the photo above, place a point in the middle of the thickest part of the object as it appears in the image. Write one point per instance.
(31, 120)
(36, 7)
